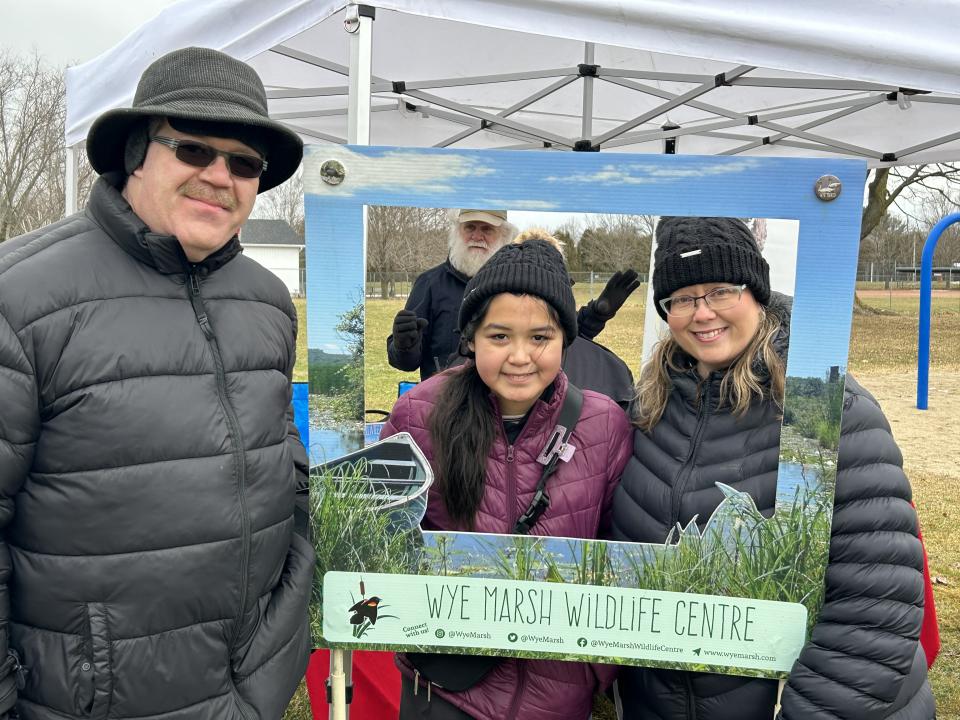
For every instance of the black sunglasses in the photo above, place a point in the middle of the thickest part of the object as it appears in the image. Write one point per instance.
(201, 155)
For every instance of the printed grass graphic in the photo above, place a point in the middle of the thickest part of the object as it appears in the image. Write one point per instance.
(350, 533)
(737, 552)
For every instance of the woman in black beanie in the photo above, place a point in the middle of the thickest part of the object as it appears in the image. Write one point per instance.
(483, 426)
(708, 409)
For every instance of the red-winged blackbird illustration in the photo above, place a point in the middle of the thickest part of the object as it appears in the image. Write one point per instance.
(365, 609)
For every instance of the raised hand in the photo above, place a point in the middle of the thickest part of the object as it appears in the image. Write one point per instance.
(407, 329)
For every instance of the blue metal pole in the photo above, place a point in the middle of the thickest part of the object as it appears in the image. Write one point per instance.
(926, 292)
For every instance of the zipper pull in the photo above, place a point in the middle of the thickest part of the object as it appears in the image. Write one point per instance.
(19, 670)
(509, 453)
(205, 325)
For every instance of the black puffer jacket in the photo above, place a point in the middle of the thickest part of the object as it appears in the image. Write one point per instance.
(436, 296)
(864, 660)
(147, 474)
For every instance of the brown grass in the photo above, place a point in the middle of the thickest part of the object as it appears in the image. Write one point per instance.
(300, 369)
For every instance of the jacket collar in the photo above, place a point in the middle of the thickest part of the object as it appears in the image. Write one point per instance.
(448, 266)
(108, 208)
(544, 407)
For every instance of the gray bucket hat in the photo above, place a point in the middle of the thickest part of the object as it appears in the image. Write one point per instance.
(198, 84)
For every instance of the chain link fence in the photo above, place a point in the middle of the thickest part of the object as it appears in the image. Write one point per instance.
(904, 276)
(383, 285)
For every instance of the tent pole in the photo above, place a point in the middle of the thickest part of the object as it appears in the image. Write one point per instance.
(358, 23)
(70, 185)
(586, 130)
(338, 685)
(361, 55)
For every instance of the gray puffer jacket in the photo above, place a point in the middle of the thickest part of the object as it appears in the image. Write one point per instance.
(148, 465)
(864, 659)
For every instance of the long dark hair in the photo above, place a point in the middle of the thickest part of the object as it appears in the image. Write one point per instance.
(463, 427)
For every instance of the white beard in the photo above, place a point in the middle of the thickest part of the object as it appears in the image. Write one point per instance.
(470, 260)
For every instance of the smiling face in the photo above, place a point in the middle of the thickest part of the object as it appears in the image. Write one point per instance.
(715, 338)
(519, 348)
(472, 243)
(202, 207)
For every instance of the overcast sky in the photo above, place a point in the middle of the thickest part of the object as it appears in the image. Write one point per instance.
(69, 32)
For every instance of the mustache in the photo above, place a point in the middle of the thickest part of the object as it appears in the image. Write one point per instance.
(200, 191)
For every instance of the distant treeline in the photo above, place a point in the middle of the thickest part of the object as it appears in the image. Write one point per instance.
(814, 407)
(324, 372)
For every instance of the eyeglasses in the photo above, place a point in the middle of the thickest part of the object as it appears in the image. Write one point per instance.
(721, 298)
(201, 155)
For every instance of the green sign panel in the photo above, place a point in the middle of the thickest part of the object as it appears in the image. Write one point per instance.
(511, 617)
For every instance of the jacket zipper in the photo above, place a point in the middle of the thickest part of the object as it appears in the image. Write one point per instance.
(518, 695)
(236, 438)
(691, 698)
(511, 491)
(683, 474)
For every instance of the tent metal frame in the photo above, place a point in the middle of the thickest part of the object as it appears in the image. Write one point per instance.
(846, 98)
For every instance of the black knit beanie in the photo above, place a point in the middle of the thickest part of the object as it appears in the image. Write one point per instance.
(695, 250)
(533, 267)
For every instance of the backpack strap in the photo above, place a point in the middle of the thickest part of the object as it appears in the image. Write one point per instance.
(555, 450)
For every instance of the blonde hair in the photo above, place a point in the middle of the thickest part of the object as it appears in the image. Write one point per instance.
(540, 234)
(741, 384)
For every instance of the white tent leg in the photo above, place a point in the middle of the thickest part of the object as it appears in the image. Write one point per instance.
(338, 685)
(70, 185)
(586, 131)
(359, 24)
(361, 58)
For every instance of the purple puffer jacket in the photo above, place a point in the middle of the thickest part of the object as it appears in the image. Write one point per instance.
(580, 494)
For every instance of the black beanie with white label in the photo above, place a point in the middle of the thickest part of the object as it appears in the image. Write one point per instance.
(696, 250)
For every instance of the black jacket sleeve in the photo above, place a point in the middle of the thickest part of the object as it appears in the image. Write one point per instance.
(864, 658)
(590, 323)
(418, 302)
(19, 430)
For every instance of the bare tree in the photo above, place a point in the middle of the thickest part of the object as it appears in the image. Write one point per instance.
(284, 202)
(891, 242)
(32, 114)
(904, 187)
(404, 239)
(616, 242)
(933, 208)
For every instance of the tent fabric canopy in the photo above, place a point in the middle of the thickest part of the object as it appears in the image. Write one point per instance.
(878, 81)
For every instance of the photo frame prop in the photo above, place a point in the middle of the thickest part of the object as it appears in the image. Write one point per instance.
(737, 594)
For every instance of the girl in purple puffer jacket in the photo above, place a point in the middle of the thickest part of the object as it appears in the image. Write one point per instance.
(482, 426)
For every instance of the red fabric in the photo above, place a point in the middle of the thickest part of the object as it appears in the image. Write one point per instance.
(929, 631)
(376, 685)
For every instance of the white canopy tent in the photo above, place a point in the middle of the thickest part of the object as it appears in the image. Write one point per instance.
(879, 81)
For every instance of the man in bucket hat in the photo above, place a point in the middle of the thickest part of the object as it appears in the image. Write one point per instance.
(149, 560)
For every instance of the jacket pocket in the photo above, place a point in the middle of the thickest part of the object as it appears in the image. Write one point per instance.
(269, 665)
(9, 671)
(96, 668)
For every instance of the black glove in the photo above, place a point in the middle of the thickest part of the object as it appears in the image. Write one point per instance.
(616, 292)
(407, 328)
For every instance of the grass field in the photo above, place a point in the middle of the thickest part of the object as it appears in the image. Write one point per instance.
(883, 358)
(300, 369)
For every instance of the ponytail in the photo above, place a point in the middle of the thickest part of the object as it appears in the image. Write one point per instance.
(462, 428)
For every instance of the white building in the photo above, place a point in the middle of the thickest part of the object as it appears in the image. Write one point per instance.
(275, 245)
